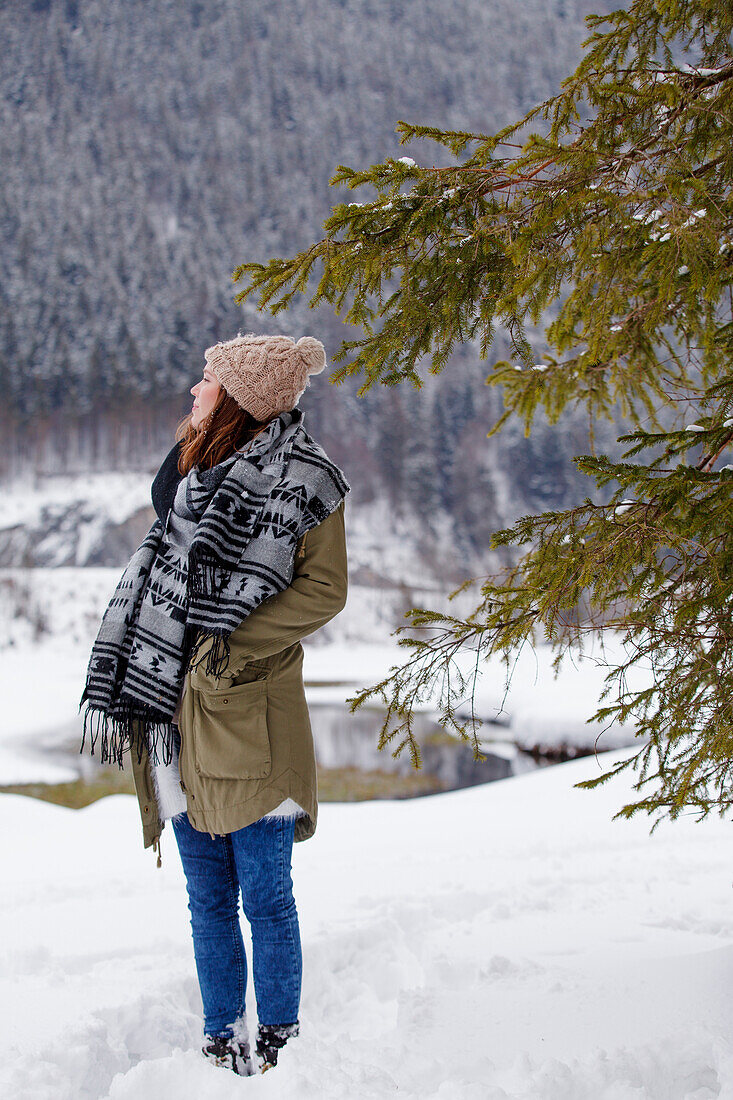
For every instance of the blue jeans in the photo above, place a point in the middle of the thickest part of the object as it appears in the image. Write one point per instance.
(255, 860)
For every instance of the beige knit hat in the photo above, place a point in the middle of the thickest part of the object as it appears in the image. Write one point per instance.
(266, 375)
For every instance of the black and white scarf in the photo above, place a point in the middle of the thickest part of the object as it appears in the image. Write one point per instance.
(250, 510)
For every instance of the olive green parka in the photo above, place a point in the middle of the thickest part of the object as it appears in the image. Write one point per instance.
(246, 740)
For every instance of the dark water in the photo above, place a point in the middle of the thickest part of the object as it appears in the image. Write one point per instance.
(344, 739)
(350, 765)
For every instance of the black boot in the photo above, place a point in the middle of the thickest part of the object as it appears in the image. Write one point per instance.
(271, 1038)
(230, 1053)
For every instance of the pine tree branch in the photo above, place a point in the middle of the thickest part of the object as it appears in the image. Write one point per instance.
(604, 217)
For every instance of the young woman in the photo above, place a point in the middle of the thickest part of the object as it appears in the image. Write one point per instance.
(197, 669)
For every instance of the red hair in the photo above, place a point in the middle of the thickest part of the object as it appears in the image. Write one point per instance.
(228, 428)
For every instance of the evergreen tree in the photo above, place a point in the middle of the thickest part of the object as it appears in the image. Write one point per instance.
(420, 467)
(603, 215)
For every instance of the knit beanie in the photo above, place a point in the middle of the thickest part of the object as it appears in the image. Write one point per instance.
(266, 375)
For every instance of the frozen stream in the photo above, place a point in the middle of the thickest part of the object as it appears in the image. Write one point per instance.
(541, 720)
(345, 741)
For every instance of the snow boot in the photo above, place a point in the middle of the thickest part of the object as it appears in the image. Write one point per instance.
(271, 1038)
(230, 1052)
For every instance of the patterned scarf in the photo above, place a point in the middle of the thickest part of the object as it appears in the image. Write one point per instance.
(170, 610)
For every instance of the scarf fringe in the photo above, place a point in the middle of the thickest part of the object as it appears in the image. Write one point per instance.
(206, 576)
(206, 580)
(218, 653)
(133, 725)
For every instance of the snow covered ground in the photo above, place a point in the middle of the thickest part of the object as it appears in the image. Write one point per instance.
(509, 940)
(505, 941)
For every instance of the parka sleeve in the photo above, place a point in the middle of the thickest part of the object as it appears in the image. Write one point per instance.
(316, 594)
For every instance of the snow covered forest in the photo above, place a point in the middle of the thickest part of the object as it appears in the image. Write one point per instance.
(149, 148)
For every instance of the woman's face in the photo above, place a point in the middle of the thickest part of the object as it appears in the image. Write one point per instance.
(205, 394)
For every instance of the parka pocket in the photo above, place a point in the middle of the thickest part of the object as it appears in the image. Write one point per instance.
(230, 735)
(253, 670)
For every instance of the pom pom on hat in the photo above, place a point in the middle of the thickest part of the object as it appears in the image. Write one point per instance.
(313, 352)
(266, 375)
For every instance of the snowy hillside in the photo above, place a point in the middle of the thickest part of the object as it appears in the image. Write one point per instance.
(509, 941)
(133, 189)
